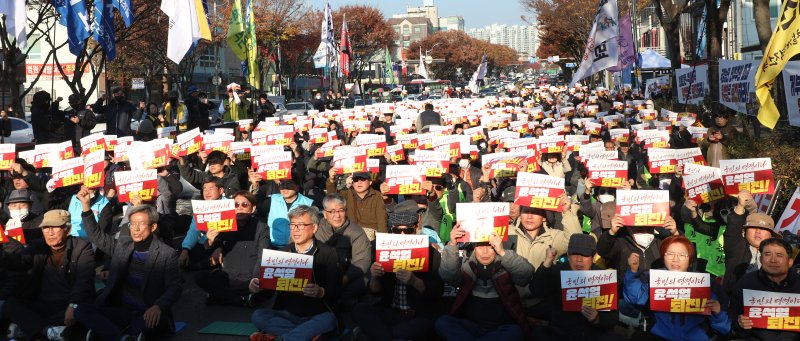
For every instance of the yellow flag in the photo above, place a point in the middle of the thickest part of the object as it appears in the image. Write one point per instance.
(202, 20)
(237, 40)
(252, 50)
(781, 48)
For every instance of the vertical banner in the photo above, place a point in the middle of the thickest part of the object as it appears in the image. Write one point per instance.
(596, 289)
(643, 207)
(754, 175)
(539, 191)
(607, 173)
(349, 160)
(791, 85)
(704, 186)
(772, 310)
(436, 163)
(481, 220)
(68, 172)
(736, 83)
(692, 84)
(405, 179)
(402, 251)
(141, 182)
(680, 292)
(8, 155)
(219, 215)
(94, 169)
(285, 271)
(274, 165)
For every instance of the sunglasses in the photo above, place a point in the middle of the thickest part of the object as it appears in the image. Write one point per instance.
(359, 179)
(244, 204)
(406, 230)
(604, 191)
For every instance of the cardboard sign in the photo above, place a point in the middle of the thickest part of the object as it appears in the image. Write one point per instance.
(704, 186)
(505, 164)
(396, 152)
(285, 271)
(476, 134)
(698, 133)
(550, 144)
(94, 169)
(221, 142)
(680, 292)
(409, 141)
(653, 138)
(643, 207)
(148, 155)
(245, 125)
(8, 155)
(405, 179)
(539, 191)
(142, 182)
(280, 135)
(481, 220)
(167, 132)
(241, 150)
(218, 215)
(68, 172)
(93, 143)
(374, 143)
(689, 155)
(607, 173)
(596, 289)
(43, 155)
(273, 165)
(754, 175)
(188, 142)
(14, 231)
(327, 149)
(620, 135)
(661, 161)
(318, 135)
(790, 219)
(573, 142)
(521, 145)
(347, 159)
(402, 252)
(453, 145)
(772, 310)
(436, 163)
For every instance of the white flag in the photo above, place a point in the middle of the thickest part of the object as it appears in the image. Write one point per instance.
(327, 26)
(602, 50)
(479, 74)
(422, 71)
(184, 28)
(16, 20)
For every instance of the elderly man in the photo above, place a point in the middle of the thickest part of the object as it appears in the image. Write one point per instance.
(366, 204)
(20, 216)
(61, 273)
(775, 275)
(588, 324)
(404, 310)
(350, 242)
(23, 176)
(307, 315)
(487, 305)
(144, 279)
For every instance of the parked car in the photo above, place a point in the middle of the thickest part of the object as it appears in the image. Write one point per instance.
(298, 108)
(21, 133)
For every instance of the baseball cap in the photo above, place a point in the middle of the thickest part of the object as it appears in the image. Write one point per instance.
(55, 218)
(508, 194)
(581, 244)
(761, 221)
(362, 175)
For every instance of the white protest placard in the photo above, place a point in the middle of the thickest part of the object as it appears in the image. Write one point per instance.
(285, 271)
(680, 291)
(402, 251)
(481, 220)
(596, 289)
(772, 310)
(692, 84)
(736, 83)
(539, 191)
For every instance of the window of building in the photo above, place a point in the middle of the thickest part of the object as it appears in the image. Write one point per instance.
(208, 59)
(417, 30)
(35, 52)
(406, 43)
(406, 30)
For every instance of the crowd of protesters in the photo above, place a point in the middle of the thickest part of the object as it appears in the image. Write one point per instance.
(79, 263)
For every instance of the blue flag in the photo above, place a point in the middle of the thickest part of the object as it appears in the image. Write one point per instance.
(73, 15)
(126, 10)
(104, 28)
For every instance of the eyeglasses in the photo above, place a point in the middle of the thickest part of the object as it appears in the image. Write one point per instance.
(244, 204)
(672, 255)
(406, 230)
(139, 224)
(299, 226)
(438, 187)
(335, 211)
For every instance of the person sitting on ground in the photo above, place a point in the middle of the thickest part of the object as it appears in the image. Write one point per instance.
(310, 314)
(144, 280)
(235, 253)
(216, 169)
(193, 248)
(61, 270)
(487, 305)
(20, 216)
(366, 204)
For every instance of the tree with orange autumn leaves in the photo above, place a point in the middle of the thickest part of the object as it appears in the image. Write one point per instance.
(461, 51)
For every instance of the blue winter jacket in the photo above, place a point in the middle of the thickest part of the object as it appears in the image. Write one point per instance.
(278, 218)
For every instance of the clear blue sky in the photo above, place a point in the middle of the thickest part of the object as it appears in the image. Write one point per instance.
(476, 13)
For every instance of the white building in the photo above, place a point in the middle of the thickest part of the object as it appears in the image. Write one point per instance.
(521, 38)
(429, 11)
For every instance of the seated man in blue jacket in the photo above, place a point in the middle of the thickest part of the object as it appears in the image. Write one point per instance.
(144, 279)
(194, 248)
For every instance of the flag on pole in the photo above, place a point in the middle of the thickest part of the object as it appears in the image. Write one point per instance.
(327, 26)
(253, 74)
(403, 64)
(75, 17)
(184, 27)
(202, 19)
(387, 67)
(345, 49)
(103, 27)
(237, 39)
(479, 74)
(126, 10)
(602, 49)
(422, 71)
(780, 49)
(16, 20)
(627, 52)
